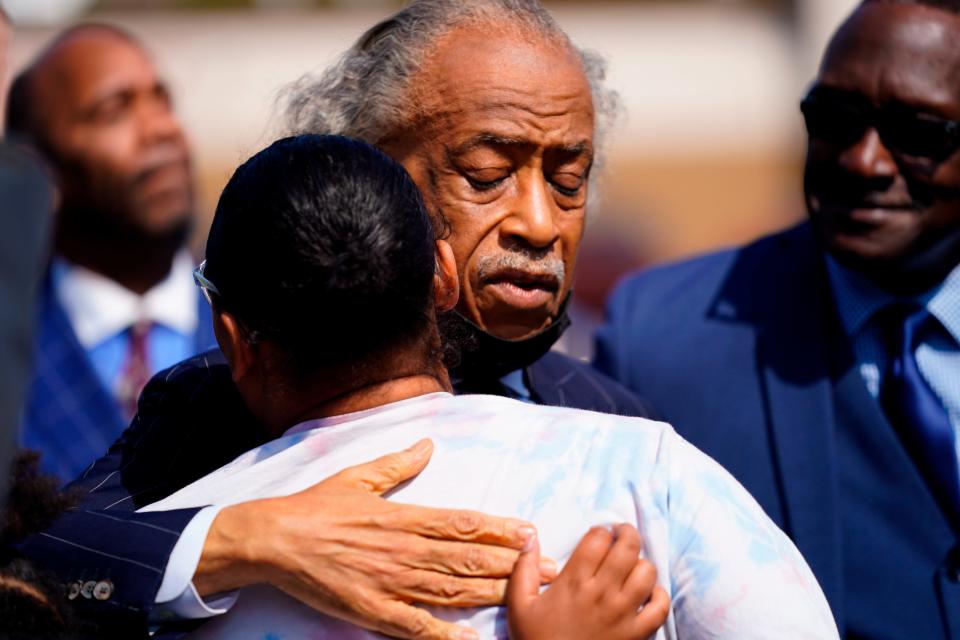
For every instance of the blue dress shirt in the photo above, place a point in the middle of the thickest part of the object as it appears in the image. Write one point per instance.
(166, 346)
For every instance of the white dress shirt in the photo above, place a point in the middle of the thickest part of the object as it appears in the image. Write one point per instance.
(99, 308)
(101, 312)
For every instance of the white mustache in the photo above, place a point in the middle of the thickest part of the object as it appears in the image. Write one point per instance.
(531, 262)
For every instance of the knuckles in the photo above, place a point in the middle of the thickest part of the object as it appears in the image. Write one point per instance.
(473, 561)
(451, 590)
(466, 524)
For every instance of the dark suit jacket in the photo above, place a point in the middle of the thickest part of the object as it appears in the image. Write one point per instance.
(70, 417)
(26, 202)
(191, 420)
(744, 354)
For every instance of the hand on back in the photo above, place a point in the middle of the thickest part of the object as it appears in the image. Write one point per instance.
(606, 591)
(342, 549)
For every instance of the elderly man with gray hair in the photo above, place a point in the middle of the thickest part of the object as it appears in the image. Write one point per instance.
(495, 114)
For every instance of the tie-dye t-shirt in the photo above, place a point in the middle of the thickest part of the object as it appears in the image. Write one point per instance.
(730, 572)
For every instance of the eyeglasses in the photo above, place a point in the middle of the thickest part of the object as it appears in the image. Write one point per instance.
(841, 118)
(206, 287)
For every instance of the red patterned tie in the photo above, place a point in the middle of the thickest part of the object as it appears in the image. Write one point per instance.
(136, 370)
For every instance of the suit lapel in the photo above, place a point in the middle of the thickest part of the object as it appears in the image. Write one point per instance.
(547, 384)
(797, 385)
(555, 380)
(69, 415)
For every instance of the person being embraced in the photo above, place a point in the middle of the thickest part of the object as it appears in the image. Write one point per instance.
(326, 278)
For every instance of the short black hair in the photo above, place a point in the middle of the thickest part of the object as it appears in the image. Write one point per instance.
(20, 120)
(322, 244)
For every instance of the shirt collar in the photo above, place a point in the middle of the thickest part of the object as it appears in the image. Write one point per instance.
(514, 382)
(944, 304)
(416, 403)
(99, 308)
(858, 298)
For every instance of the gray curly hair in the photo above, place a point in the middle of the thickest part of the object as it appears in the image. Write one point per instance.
(365, 94)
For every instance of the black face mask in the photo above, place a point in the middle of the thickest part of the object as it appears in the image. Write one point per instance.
(473, 355)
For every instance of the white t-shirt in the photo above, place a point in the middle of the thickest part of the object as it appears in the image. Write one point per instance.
(731, 573)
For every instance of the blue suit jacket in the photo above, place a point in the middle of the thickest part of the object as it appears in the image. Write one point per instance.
(744, 354)
(69, 416)
(191, 421)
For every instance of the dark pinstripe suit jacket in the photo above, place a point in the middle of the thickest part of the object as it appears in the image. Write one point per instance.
(191, 421)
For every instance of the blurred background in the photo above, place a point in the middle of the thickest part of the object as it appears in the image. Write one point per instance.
(708, 152)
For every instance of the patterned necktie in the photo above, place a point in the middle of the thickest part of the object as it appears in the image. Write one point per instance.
(915, 411)
(136, 370)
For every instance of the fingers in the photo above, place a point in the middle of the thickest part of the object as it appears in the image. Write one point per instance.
(431, 588)
(641, 583)
(467, 559)
(524, 584)
(588, 555)
(653, 616)
(464, 526)
(404, 621)
(622, 556)
(386, 472)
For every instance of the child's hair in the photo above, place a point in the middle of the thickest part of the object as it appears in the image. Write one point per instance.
(33, 605)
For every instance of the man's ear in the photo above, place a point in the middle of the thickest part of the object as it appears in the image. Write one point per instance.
(446, 284)
(238, 352)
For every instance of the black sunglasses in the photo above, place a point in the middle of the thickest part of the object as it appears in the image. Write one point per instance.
(841, 118)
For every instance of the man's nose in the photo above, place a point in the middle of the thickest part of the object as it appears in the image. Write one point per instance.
(868, 158)
(533, 218)
(159, 122)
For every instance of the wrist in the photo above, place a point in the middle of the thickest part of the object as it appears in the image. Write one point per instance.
(229, 559)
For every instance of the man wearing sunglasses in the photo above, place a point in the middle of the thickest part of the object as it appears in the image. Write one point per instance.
(821, 365)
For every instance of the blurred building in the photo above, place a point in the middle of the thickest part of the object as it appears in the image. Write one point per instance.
(708, 153)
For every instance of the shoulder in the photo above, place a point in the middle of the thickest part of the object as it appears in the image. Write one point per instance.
(204, 370)
(698, 282)
(557, 379)
(657, 313)
(192, 397)
(190, 420)
(691, 327)
(565, 426)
